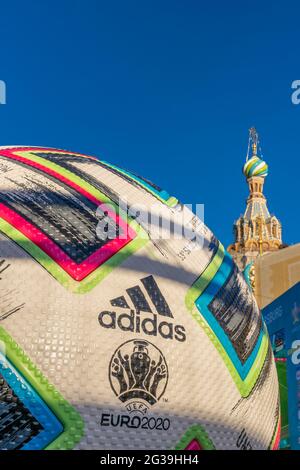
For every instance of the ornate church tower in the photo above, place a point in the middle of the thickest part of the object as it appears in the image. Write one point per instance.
(256, 232)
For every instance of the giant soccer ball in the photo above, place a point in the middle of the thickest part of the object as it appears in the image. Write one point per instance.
(124, 322)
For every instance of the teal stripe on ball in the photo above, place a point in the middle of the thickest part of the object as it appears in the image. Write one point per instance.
(255, 167)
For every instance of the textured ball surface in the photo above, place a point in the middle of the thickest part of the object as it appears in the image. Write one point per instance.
(113, 336)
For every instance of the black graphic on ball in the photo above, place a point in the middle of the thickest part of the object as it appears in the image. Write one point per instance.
(138, 371)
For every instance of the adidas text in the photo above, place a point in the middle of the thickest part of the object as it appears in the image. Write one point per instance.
(138, 323)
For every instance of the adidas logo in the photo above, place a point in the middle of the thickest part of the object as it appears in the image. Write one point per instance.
(143, 309)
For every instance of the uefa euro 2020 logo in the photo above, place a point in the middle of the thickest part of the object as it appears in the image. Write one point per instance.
(138, 374)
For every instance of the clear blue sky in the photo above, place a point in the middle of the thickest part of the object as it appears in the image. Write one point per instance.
(165, 88)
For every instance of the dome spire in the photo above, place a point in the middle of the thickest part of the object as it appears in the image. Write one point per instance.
(254, 165)
(257, 231)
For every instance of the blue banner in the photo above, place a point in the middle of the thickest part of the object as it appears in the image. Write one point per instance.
(282, 318)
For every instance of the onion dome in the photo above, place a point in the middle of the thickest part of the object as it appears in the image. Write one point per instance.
(255, 166)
